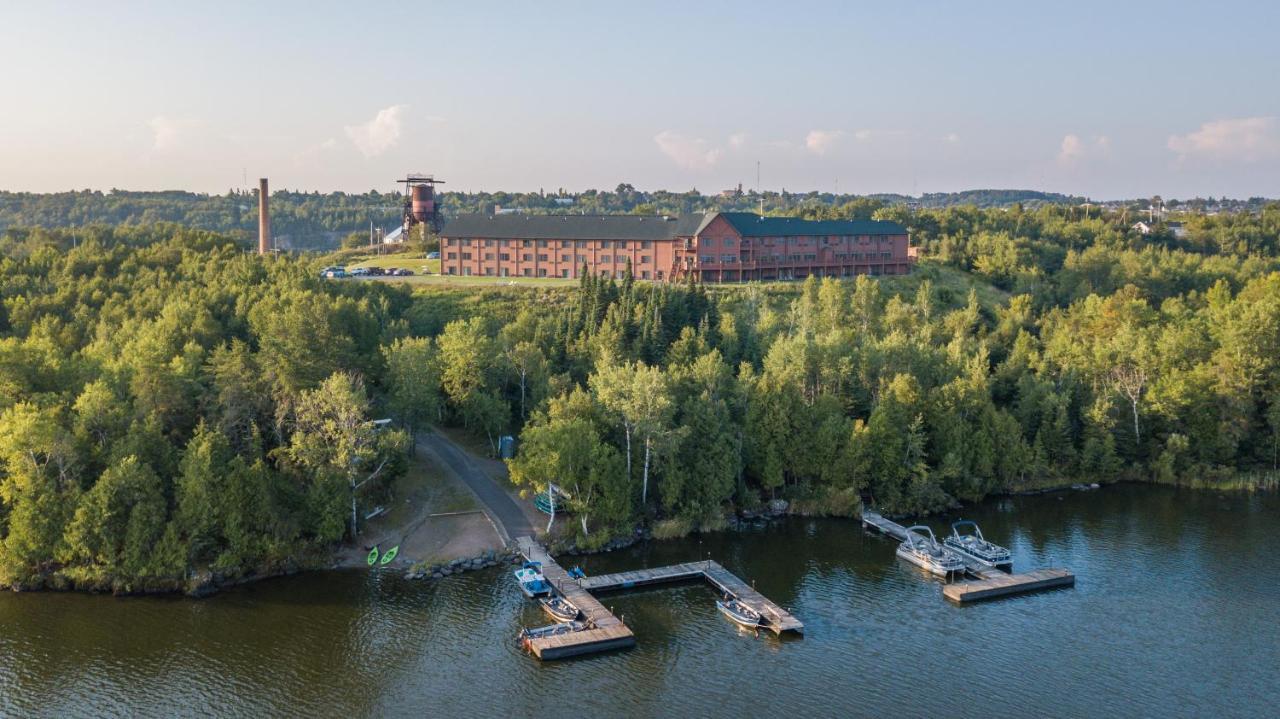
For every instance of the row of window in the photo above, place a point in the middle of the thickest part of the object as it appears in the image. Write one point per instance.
(800, 257)
(542, 272)
(563, 244)
(710, 242)
(528, 257)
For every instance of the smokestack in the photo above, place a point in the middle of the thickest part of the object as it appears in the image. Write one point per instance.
(264, 218)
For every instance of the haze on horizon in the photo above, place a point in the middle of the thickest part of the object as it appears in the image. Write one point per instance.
(1107, 100)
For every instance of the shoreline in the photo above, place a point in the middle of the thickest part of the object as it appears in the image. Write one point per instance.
(206, 584)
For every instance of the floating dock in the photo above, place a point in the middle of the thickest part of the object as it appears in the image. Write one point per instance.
(778, 620)
(606, 631)
(990, 583)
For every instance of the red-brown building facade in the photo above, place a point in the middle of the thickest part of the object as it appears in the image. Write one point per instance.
(715, 246)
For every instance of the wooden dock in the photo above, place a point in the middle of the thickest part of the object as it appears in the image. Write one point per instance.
(605, 631)
(991, 583)
(778, 620)
(1001, 584)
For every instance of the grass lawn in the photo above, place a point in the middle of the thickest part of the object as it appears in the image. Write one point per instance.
(429, 490)
(414, 262)
(480, 281)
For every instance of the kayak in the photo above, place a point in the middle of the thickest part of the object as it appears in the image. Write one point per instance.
(390, 555)
(373, 556)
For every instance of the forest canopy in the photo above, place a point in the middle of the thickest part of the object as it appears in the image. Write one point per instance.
(171, 404)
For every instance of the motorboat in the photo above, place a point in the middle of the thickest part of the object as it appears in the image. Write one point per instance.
(740, 613)
(530, 580)
(551, 630)
(559, 608)
(966, 539)
(921, 548)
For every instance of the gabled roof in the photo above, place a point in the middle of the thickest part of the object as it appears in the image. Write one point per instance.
(749, 224)
(652, 227)
(572, 227)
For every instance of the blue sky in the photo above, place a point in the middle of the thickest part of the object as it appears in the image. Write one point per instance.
(1114, 99)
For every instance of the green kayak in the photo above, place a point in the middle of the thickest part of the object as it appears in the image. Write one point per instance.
(390, 554)
(373, 556)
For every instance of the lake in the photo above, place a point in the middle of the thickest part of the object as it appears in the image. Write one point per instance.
(1175, 613)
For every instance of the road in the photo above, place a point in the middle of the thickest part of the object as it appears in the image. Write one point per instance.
(498, 505)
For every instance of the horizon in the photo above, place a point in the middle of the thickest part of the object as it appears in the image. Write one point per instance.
(1103, 102)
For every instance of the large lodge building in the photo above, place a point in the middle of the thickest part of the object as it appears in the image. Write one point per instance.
(714, 247)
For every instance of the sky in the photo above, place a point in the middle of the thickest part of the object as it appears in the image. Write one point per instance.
(1103, 99)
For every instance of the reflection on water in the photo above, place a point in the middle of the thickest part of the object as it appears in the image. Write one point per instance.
(1174, 613)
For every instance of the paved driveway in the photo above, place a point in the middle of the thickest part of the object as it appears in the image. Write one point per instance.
(501, 508)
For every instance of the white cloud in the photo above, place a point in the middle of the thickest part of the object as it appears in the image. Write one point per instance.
(951, 137)
(691, 153)
(379, 134)
(1245, 139)
(819, 141)
(1074, 149)
(164, 132)
(737, 140)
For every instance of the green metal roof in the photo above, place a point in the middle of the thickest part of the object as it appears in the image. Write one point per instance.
(749, 224)
(652, 227)
(572, 227)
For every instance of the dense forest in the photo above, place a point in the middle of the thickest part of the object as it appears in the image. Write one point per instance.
(173, 406)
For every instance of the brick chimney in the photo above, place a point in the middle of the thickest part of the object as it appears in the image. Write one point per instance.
(264, 218)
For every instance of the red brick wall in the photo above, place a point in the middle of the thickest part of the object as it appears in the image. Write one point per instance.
(650, 259)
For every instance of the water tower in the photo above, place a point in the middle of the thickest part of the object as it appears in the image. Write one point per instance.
(420, 201)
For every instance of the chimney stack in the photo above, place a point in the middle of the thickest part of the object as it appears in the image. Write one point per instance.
(264, 218)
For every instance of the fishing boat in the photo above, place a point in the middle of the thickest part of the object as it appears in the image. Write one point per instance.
(373, 556)
(389, 556)
(922, 549)
(527, 635)
(739, 613)
(559, 608)
(530, 580)
(966, 539)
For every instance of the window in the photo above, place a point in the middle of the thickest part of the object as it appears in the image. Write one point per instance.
(580, 244)
(504, 256)
(526, 257)
(707, 259)
(645, 244)
(542, 243)
(810, 258)
(565, 258)
(526, 243)
(452, 256)
(606, 258)
(504, 243)
(564, 273)
(542, 257)
(488, 255)
(466, 243)
(728, 259)
(488, 243)
(644, 259)
(728, 242)
(644, 274)
(488, 271)
(505, 272)
(451, 271)
(466, 255)
(542, 272)
(886, 255)
(528, 272)
(659, 274)
(466, 271)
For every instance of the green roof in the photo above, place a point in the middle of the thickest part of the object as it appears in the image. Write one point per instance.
(652, 227)
(749, 224)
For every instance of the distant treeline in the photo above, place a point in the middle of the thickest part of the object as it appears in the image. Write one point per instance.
(312, 219)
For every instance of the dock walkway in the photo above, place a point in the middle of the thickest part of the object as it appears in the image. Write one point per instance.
(779, 619)
(991, 582)
(605, 631)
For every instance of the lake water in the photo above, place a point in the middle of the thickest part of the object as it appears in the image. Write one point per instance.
(1176, 612)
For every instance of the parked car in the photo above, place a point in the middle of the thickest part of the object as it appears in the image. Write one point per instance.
(376, 272)
(333, 272)
(359, 272)
(433, 255)
(402, 272)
